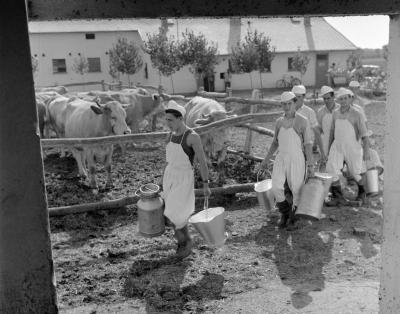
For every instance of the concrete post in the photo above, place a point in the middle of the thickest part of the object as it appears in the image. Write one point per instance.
(390, 272)
(26, 266)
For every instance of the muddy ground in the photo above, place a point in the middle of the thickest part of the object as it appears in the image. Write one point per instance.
(103, 266)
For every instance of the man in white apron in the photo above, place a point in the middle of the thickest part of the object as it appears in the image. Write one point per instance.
(324, 118)
(309, 113)
(183, 146)
(292, 138)
(348, 127)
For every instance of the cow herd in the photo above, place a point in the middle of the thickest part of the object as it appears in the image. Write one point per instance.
(106, 113)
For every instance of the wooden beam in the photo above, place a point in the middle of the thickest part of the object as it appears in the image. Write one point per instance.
(78, 9)
(129, 200)
(158, 136)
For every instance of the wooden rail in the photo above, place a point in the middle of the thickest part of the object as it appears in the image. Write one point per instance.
(158, 136)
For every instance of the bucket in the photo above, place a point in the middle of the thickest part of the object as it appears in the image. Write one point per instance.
(312, 196)
(150, 211)
(264, 193)
(326, 180)
(372, 186)
(210, 223)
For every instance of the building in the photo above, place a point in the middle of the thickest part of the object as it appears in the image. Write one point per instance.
(58, 44)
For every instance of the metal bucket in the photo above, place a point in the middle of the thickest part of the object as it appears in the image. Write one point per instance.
(372, 186)
(312, 196)
(264, 193)
(326, 180)
(150, 211)
(210, 223)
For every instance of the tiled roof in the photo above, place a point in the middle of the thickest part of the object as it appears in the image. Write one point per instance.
(287, 35)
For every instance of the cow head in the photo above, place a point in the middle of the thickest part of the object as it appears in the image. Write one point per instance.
(115, 115)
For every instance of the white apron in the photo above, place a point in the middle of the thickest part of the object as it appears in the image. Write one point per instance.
(289, 165)
(178, 185)
(345, 148)
(326, 129)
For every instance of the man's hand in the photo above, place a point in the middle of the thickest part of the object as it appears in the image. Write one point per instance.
(310, 170)
(366, 155)
(206, 190)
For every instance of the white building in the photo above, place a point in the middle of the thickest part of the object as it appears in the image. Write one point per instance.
(57, 44)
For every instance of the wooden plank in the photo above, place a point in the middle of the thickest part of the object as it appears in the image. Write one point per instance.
(78, 9)
(157, 136)
(247, 156)
(259, 129)
(129, 200)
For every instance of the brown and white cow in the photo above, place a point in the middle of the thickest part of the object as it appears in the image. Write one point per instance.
(202, 111)
(93, 120)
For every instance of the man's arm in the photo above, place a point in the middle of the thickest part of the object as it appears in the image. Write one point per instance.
(272, 149)
(195, 142)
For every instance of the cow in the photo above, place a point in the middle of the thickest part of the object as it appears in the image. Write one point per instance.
(58, 89)
(42, 101)
(84, 119)
(202, 111)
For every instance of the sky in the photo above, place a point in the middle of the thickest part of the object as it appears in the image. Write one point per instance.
(370, 31)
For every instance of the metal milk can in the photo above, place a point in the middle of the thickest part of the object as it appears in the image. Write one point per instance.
(150, 211)
(312, 197)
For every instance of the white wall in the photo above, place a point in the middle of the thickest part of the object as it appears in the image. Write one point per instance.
(59, 45)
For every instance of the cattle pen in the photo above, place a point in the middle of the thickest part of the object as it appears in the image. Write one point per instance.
(247, 121)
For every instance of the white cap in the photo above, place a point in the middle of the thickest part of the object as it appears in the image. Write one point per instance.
(325, 90)
(299, 89)
(286, 96)
(343, 91)
(173, 105)
(354, 84)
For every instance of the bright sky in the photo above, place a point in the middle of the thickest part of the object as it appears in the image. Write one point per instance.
(370, 31)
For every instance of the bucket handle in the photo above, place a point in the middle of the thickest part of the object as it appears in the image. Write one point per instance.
(139, 190)
(205, 206)
(263, 171)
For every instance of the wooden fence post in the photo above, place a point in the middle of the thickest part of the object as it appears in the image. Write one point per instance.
(249, 134)
(103, 87)
(229, 91)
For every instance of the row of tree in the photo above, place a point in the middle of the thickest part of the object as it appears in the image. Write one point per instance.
(169, 55)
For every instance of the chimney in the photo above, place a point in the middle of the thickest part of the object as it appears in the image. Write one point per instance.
(235, 26)
(307, 21)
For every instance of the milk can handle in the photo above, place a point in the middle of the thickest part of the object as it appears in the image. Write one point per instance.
(136, 192)
(205, 202)
(262, 171)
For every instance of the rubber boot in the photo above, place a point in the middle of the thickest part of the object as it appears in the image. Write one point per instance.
(284, 209)
(336, 197)
(361, 194)
(185, 243)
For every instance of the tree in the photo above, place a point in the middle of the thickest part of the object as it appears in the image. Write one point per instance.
(125, 58)
(199, 54)
(81, 66)
(266, 53)
(300, 63)
(245, 59)
(35, 65)
(164, 54)
(354, 60)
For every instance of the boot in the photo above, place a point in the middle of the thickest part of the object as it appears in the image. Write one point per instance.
(336, 197)
(284, 209)
(361, 194)
(185, 243)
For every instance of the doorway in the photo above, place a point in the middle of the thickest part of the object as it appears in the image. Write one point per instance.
(322, 66)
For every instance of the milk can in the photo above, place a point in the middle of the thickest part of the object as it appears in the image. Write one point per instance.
(372, 186)
(150, 211)
(312, 197)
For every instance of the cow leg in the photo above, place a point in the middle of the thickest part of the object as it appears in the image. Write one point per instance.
(79, 157)
(107, 166)
(92, 171)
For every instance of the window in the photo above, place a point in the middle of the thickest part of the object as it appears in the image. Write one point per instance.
(90, 36)
(59, 66)
(94, 65)
(290, 66)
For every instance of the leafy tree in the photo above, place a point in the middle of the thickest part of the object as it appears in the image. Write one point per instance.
(266, 53)
(81, 66)
(125, 58)
(300, 63)
(35, 65)
(199, 54)
(164, 54)
(385, 49)
(245, 58)
(354, 60)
